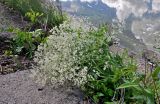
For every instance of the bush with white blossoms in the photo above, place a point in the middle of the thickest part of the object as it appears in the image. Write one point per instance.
(56, 59)
(78, 54)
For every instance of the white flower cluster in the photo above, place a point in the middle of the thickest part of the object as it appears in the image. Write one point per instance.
(56, 59)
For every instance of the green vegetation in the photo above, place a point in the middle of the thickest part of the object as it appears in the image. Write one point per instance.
(35, 8)
(33, 16)
(75, 53)
(25, 43)
(82, 58)
(42, 16)
(106, 71)
(144, 88)
(114, 78)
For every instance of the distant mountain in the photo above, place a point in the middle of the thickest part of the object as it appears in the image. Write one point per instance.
(97, 11)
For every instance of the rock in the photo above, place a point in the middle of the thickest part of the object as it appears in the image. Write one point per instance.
(151, 56)
(6, 36)
(19, 88)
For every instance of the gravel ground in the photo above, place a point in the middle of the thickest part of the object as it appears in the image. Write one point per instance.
(18, 88)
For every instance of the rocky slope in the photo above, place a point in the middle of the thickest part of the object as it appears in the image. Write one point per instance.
(18, 87)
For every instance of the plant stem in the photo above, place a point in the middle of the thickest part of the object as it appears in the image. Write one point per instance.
(156, 91)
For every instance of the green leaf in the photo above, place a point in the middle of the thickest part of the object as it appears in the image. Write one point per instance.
(149, 91)
(139, 97)
(155, 73)
(19, 49)
(109, 103)
(95, 98)
(99, 94)
(37, 14)
(127, 85)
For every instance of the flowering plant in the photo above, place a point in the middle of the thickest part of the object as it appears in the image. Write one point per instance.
(57, 58)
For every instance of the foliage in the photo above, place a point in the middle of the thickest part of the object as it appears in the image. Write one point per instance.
(77, 53)
(105, 70)
(26, 42)
(145, 87)
(33, 16)
(51, 15)
(55, 59)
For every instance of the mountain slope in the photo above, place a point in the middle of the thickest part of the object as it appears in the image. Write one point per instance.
(97, 12)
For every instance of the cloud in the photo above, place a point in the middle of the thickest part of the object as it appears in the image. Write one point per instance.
(155, 6)
(127, 7)
(88, 0)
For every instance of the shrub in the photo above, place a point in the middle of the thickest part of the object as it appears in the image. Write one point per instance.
(101, 87)
(26, 42)
(145, 87)
(78, 54)
(106, 71)
(55, 59)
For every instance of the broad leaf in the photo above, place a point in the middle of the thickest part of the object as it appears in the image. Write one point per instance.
(127, 85)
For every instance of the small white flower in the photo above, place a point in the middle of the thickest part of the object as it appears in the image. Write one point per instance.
(57, 57)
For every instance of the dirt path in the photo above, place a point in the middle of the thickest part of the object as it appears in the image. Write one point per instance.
(18, 88)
